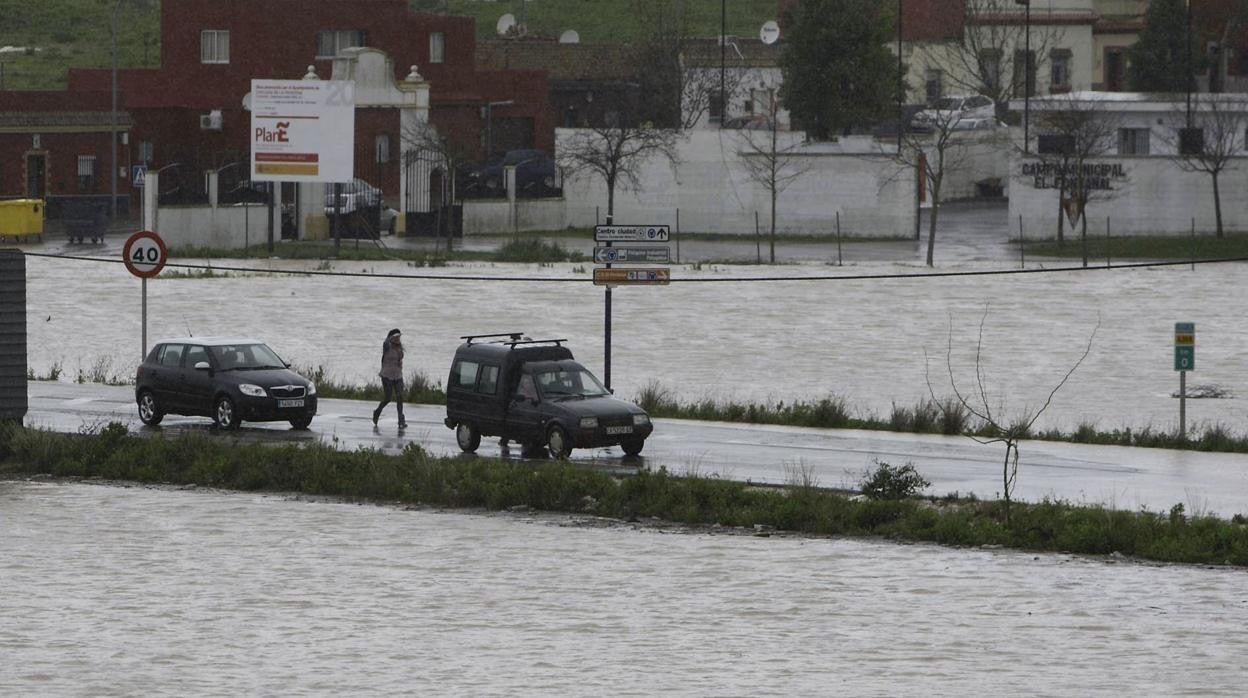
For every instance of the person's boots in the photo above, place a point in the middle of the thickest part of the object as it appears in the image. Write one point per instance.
(402, 421)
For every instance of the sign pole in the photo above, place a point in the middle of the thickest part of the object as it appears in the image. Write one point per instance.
(143, 353)
(1183, 404)
(606, 323)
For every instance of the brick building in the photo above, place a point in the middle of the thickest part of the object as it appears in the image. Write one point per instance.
(187, 116)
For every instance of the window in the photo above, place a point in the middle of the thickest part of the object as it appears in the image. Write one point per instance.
(933, 85)
(465, 374)
(86, 174)
(171, 355)
(437, 47)
(527, 389)
(1055, 144)
(382, 144)
(147, 151)
(1133, 141)
(1024, 61)
(488, 382)
(195, 354)
(990, 70)
(1191, 141)
(1059, 70)
(330, 42)
(214, 46)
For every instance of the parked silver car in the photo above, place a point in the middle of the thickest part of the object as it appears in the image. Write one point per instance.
(352, 196)
(949, 111)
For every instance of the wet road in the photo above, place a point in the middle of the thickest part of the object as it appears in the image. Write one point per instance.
(1121, 478)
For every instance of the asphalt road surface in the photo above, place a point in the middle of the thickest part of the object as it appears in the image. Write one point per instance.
(1117, 477)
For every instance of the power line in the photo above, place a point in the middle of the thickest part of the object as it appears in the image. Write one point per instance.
(674, 280)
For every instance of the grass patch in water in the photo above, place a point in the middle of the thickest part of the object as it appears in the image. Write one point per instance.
(222, 460)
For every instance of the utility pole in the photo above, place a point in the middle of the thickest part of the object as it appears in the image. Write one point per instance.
(1026, 73)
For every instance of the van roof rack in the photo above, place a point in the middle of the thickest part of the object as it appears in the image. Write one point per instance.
(515, 336)
(556, 342)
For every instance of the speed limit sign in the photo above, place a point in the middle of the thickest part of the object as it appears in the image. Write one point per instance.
(145, 254)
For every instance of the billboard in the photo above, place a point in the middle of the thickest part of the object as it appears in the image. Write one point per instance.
(302, 130)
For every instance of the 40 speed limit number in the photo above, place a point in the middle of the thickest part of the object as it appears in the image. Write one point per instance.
(145, 254)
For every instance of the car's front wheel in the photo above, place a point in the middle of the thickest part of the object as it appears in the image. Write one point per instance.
(558, 443)
(226, 414)
(301, 423)
(632, 446)
(149, 411)
(467, 437)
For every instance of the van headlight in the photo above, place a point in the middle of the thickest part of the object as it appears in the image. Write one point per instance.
(311, 389)
(589, 422)
(641, 419)
(252, 390)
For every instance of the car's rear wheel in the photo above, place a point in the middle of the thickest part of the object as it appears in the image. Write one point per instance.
(558, 443)
(226, 414)
(301, 423)
(149, 411)
(632, 446)
(467, 437)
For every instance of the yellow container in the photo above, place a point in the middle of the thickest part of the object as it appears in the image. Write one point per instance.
(21, 218)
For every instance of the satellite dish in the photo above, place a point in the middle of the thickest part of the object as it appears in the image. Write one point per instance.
(770, 32)
(570, 37)
(505, 24)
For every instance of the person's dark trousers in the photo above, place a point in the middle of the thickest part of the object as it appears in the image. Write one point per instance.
(394, 390)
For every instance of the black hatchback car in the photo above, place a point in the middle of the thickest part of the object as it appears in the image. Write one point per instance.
(535, 393)
(229, 380)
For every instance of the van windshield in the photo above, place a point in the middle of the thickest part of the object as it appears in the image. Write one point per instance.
(569, 382)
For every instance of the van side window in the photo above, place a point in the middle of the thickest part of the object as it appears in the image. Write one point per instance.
(488, 381)
(466, 375)
(526, 389)
(195, 354)
(171, 355)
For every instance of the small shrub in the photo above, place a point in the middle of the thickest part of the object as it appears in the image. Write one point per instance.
(889, 482)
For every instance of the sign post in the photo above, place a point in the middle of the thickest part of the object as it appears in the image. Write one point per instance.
(1184, 361)
(145, 255)
(606, 276)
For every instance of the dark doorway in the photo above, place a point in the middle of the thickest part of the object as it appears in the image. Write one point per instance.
(1115, 70)
(36, 176)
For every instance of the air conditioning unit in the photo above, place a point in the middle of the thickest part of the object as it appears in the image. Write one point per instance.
(210, 121)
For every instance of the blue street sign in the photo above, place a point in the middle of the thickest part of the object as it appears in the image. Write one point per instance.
(138, 175)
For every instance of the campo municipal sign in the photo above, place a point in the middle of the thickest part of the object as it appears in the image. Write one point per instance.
(632, 255)
(631, 233)
(631, 277)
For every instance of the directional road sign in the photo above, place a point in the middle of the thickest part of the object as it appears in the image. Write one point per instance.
(1184, 346)
(632, 255)
(632, 277)
(631, 233)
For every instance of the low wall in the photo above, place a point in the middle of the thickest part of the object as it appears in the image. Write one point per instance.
(712, 190)
(1146, 196)
(224, 226)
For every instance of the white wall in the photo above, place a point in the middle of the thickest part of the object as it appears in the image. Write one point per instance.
(713, 192)
(1155, 197)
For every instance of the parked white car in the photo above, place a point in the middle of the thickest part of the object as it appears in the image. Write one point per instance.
(949, 111)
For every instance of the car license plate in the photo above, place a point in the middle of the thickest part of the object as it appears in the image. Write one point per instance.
(619, 430)
(289, 403)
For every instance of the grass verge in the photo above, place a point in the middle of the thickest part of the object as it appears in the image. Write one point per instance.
(217, 460)
(1166, 247)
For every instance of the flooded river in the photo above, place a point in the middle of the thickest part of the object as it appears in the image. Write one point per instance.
(112, 590)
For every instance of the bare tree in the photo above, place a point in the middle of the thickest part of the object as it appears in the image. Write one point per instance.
(1073, 132)
(996, 427)
(1223, 124)
(938, 153)
(771, 165)
(445, 151)
(616, 154)
(989, 56)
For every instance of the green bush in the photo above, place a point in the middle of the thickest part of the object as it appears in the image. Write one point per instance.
(891, 483)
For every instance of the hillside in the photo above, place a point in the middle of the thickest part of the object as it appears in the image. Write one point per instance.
(76, 32)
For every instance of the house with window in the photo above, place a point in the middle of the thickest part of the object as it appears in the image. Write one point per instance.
(188, 116)
(1147, 158)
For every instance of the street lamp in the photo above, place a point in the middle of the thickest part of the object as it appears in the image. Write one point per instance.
(112, 201)
(901, 82)
(1026, 73)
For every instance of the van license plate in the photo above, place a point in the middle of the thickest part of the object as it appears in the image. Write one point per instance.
(619, 430)
(289, 403)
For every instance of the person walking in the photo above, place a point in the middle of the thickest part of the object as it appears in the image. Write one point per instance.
(391, 375)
